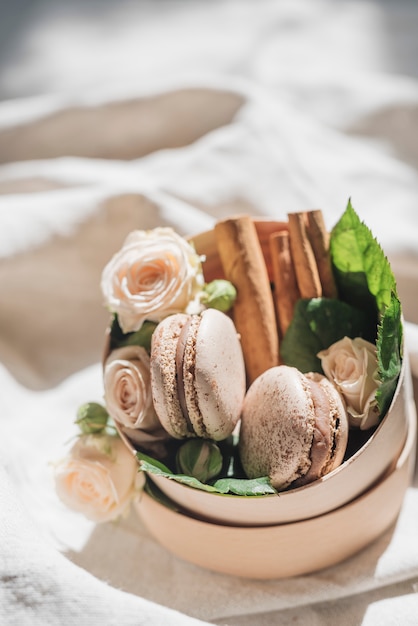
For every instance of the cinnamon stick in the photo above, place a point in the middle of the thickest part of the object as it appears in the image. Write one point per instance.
(286, 292)
(254, 315)
(306, 270)
(319, 238)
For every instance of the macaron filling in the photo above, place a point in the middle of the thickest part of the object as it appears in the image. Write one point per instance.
(322, 441)
(326, 431)
(186, 378)
(180, 360)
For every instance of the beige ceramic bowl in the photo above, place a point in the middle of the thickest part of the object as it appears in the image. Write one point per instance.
(342, 485)
(287, 549)
(352, 478)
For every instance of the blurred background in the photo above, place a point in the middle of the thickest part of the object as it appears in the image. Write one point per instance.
(337, 60)
(347, 65)
(50, 46)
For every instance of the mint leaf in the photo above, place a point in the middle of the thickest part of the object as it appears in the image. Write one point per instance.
(237, 486)
(389, 353)
(141, 337)
(316, 324)
(245, 487)
(156, 466)
(365, 279)
(362, 271)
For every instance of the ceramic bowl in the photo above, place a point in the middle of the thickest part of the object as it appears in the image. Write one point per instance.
(338, 487)
(289, 549)
(357, 474)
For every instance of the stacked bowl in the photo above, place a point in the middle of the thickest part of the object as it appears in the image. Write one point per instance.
(287, 534)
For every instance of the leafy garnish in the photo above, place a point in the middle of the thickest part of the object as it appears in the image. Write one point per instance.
(244, 486)
(363, 272)
(360, 266)
(141, 337)
(237, 486)
(316, 324)
(389, 353)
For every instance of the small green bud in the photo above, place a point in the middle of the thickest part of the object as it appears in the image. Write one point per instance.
(219, 294)
(92, 418)
(199, 458)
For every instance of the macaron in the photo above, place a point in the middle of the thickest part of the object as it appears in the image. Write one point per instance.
(197, 375)
(294, 427)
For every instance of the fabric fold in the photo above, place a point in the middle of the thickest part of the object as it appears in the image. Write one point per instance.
(271, 127)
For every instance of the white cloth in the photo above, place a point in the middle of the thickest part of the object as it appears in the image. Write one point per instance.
(297, 113)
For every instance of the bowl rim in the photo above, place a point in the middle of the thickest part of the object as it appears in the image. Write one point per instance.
(326, 478)
(408, 455)
(284, 550)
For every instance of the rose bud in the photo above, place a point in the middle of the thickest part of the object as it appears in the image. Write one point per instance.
(219, 294)
(199, 458)
(92, 418)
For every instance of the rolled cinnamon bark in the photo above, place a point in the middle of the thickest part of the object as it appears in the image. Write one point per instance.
(286, 292)
(306, 269)
(319, 238)
(254, 315)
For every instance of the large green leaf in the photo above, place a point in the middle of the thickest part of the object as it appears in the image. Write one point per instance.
(316, 324)
(365, 279)
(389, 353)
(362, 271)
(237, 486)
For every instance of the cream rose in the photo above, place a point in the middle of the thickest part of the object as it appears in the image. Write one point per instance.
(127, 388)
(155, 273)
(351, 364)
(99, 478)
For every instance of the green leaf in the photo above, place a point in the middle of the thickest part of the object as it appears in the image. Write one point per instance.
(363, 273)
(152, 466)
(146, 460)
(365, 279)
(237, 486)
(316, 324)
(245, 487)
(141, 337)
(389, 353)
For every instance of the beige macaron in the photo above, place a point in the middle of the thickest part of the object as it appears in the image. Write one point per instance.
(294, 427)
(197, 375)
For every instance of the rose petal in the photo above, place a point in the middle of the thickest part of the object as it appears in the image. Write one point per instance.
(351, 364)
(98, 478)
(156, 273)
